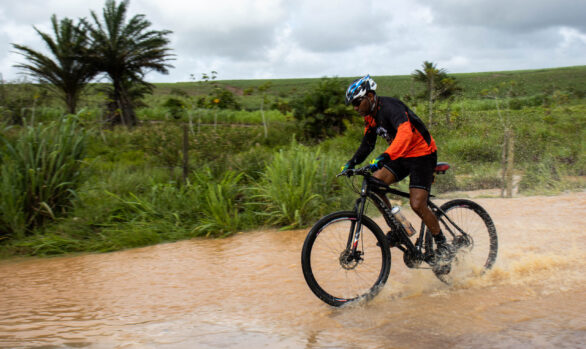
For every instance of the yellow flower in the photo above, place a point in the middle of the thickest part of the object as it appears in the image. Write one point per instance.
(216, 101)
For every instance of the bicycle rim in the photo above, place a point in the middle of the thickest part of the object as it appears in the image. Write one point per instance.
(327, 270)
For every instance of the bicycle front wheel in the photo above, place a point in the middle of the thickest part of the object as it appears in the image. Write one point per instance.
(331, 271)
(476, 250)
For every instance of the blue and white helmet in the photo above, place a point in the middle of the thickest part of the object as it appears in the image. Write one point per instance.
(359, 88)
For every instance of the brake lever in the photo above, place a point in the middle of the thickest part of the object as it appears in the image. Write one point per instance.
(347, 173)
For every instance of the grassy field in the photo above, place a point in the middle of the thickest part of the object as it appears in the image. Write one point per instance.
(129, 190)
(529, 82)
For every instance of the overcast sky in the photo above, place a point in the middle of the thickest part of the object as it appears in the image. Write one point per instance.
(248, 39)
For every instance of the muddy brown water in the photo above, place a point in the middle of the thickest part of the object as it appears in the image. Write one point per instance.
(248, 291)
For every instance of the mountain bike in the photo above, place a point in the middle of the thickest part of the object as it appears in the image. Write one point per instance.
(346, 256)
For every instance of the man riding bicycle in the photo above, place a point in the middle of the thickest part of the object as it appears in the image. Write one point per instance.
(411, 151)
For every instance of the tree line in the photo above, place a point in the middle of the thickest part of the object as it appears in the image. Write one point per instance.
(124, 49)
(121, 48)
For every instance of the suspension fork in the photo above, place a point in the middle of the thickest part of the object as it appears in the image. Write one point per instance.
(356, 227)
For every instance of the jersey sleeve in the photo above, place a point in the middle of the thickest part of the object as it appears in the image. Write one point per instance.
(366, 146)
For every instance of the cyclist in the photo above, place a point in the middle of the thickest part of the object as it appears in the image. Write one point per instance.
(411, 151)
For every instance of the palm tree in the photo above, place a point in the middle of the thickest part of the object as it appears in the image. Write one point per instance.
(65, 73)
(125, 51)
(438, 84)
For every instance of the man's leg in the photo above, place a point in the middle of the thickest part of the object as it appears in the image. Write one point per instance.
(421, 179)
(385, 175)
(388, 177)
(418, 201)
(444, 252)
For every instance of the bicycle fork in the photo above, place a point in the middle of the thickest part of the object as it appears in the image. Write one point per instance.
(356, 227)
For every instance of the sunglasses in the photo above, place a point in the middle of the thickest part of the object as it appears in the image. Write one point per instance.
(357, 101)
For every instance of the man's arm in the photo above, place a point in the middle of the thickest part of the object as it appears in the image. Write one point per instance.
(366, 147)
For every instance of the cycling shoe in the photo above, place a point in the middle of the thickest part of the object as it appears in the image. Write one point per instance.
(443, 257)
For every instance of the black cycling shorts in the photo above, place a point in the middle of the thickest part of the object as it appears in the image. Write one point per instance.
(420, 170)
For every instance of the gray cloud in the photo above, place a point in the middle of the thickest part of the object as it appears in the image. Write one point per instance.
(244, 43)
(330, 26)
(510, 16)
(306, 38)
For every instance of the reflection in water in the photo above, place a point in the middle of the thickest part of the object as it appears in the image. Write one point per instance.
(248, 291)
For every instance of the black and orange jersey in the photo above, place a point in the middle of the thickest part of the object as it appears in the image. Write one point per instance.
(404, 131)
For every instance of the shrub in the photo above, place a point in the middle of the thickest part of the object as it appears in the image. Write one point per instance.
(223, 99)
(296, 186)
(251, 162)
(175, 106)
(20, 100)
(321, 112)
(220, 206)
(40, 173)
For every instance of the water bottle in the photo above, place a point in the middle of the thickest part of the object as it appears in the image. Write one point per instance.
(396, 211)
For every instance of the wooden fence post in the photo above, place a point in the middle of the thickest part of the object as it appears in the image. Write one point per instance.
(508, 163)
(185, 153)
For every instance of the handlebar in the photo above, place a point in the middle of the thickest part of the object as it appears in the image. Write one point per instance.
(363, 171)
(374, 183)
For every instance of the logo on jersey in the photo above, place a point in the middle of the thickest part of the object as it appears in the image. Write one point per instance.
(381, 131)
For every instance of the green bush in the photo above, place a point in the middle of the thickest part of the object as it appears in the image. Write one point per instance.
(175, 106)
(221, 206)
(40, 174)
(220, 98)
(20, 100)
(321, 111)
(296, 187)
(251, 162)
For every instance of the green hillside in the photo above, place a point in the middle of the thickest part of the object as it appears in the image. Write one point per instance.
(530, 82)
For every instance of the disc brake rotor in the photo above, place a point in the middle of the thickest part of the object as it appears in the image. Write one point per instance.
(349, 260)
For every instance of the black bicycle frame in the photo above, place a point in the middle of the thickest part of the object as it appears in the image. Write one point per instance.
(376, 191)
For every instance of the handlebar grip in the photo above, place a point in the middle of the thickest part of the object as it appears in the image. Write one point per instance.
(353, 172)
(347, 172)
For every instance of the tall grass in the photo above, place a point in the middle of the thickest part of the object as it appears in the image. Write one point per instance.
(295, 186)
(220, 207)
(40, 174)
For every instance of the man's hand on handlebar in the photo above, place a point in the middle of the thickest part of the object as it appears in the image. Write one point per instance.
(353, 172)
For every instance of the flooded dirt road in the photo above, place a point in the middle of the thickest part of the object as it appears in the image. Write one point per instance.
(248, 291)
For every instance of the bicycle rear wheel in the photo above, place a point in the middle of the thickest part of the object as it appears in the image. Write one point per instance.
(476, 251)
(331, 272)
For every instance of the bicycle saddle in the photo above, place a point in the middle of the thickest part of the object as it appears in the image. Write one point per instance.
(441, 167)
